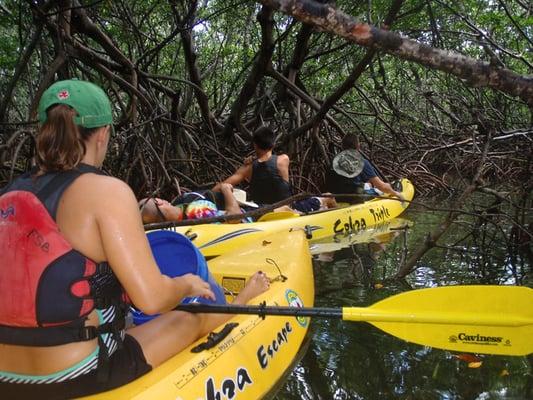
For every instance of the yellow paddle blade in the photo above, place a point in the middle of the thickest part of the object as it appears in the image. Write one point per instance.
(275, 215)
(475, 319)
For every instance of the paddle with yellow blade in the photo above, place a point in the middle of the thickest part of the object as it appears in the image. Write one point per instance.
(475, 319)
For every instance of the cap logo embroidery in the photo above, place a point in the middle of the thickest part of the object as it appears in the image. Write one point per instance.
(63, 95)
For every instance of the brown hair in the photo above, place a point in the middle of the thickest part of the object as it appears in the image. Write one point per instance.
(150, 211)
(350, 141)
(263, 137)
(60, 142)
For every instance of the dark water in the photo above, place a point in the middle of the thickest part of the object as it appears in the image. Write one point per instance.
(348, 360)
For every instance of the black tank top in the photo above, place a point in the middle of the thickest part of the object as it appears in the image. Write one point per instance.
(267, 186)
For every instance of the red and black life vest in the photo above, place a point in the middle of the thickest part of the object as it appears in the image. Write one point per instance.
(47, 289)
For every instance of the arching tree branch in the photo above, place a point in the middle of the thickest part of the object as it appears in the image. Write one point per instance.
(473, 72)
(259, 68)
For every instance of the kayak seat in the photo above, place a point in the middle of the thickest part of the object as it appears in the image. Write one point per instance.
(175, 255)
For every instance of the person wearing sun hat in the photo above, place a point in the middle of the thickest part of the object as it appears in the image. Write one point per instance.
(74, 249)
(350, 172)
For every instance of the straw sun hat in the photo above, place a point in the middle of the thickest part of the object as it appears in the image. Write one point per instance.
(348, 163)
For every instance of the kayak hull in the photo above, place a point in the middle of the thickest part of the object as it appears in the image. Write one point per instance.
(380, 233)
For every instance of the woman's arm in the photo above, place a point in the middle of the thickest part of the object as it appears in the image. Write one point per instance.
(128, 253)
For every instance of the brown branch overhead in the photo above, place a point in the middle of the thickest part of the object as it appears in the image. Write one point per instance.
(21, 66)
(90, 57)
(348, 82)
(261, 64)
(300, 49)
(335, 96)
(85, 25)
(473, 72)
(185, 25)
(301, 95)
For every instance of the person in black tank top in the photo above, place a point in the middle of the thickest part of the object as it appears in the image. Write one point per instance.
(268, 174)
(267, 186)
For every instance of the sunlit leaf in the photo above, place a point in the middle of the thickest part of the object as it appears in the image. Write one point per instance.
(475, 364)
(469, 358)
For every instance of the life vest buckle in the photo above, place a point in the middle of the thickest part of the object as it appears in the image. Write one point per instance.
(88, 333)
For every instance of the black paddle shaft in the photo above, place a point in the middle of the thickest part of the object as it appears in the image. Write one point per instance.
(262, 310)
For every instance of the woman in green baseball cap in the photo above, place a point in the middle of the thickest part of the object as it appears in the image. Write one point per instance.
(74, 248)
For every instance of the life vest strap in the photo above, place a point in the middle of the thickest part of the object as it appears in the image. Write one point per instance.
(57, 335)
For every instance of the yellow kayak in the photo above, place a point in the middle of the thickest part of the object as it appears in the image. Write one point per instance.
(251, 360)
(216, 239)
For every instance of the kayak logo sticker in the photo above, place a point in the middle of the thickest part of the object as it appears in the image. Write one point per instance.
(63, 94)
(293, 300)
(10, 211)
(478, 339)
(38, 240)
(351, 226)
(265, 354)
(229, 386)
(380, 214)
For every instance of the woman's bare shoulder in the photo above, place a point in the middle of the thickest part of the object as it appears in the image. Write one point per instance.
(103, 187)
(104, 181)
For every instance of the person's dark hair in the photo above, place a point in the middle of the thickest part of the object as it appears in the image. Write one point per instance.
(350, 141)
(263, 137)
(60, 142)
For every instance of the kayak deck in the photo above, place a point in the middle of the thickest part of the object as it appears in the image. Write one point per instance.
(255, 355)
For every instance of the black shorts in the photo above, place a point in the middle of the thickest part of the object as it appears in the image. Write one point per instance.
(307, 205)
(125, 365)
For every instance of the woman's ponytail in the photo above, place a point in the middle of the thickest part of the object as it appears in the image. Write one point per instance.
(60, 142)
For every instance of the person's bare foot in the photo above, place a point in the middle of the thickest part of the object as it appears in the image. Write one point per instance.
(257, 284)
(329, 202)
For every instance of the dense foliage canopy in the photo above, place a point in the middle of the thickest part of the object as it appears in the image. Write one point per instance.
(191, 79)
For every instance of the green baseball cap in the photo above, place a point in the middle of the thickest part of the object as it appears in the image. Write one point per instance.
(90, 102)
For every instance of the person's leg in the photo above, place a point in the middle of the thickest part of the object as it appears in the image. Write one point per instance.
(328, 202)
(231, 205)
(257, 284)
(168, 334)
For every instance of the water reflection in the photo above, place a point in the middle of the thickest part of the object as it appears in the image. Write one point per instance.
(347, 360)
(356, 255)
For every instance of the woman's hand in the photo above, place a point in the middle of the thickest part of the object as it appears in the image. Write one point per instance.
(197, 286)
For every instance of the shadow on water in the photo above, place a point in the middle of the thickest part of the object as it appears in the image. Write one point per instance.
(347, 360)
